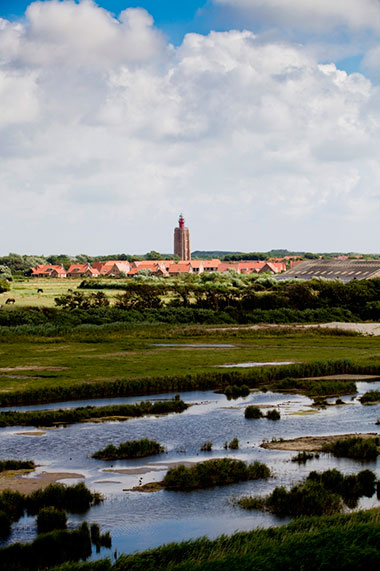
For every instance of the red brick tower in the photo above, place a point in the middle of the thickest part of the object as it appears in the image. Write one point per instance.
(182, 240)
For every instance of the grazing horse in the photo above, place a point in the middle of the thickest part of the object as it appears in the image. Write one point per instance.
(40, 290)
(10, 300)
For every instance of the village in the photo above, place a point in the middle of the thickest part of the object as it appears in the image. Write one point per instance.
(181, 264)
(159, 268)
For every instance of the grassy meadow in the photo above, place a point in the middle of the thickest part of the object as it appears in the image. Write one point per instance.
(25, 291)
(91, 354)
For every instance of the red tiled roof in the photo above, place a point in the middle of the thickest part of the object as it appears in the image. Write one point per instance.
(77, 268)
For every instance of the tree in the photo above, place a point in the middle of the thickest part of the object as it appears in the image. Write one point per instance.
(153, 255)
(5, 273)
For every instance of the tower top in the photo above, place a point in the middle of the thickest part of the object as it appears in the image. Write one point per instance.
(181, 221)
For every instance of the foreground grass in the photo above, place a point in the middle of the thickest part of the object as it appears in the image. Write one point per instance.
(343, 542)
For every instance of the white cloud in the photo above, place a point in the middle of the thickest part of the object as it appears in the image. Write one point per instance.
(84, 34)
(107, 132)
(319, 15)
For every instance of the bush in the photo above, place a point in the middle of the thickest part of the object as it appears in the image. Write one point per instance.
(253, 412)
(4, 286)
(50, 518)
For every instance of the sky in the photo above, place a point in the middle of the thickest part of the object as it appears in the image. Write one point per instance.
(258, 119)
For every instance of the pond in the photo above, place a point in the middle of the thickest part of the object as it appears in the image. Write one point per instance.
(140, 521)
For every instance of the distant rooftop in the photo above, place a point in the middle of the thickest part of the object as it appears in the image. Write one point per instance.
(345, 270)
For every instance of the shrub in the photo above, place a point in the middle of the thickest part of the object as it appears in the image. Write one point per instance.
(50, 518)
(253, 412)
(4, 286)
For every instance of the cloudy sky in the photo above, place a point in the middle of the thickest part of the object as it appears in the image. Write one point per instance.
(258, 119)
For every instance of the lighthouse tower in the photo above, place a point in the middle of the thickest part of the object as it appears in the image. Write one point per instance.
(182, 240)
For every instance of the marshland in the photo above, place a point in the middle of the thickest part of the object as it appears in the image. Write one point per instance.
(50, 374)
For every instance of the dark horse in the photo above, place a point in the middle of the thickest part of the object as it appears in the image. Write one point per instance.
(40, 290)
(10, 300)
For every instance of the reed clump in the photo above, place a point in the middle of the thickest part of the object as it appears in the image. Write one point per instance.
(80, 414)
(370, 397)
(16, 465)
(304, 456)
(215, 472)
(273, 414)
(320, 494)
(51, 518)
(130, 449)
(357, 448)
(236, 391)
(206, 446)
(253, 412)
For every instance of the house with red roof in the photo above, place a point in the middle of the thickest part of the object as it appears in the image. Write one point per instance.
(80, 270)
(48, 271)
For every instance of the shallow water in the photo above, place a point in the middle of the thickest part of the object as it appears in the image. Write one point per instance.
(255, 364)
(139, 520)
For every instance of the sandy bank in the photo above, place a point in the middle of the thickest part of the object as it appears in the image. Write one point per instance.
(17, 482)
(311, 443)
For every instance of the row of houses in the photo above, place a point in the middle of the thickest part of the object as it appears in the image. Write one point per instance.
(118, 268)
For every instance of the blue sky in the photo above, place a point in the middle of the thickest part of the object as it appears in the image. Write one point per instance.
(174, 17)
(263, 126)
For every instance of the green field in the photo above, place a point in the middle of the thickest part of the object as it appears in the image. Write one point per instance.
(92, 354)
(25, 292)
